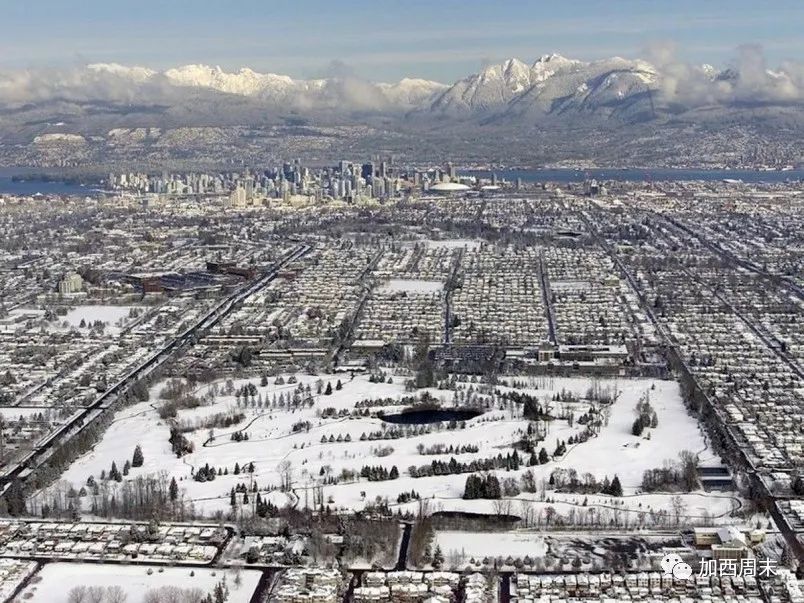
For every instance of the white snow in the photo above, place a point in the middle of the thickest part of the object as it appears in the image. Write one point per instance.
(272, 442)
(490, 544)
(59, 578)
(411, 286)
(112, 316)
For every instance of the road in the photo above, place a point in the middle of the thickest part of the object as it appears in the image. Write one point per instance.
(547, 297)
(45, 448)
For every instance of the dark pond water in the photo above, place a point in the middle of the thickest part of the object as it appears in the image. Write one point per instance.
(432, 415)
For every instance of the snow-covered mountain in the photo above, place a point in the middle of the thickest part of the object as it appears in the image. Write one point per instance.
(553, 90)
(298, 93)
(498, 85)
(553, 84)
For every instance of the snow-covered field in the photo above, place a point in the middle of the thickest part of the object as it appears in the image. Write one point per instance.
(470, 244)
(112, 316)
(58, 578)
(275, 448)
(490, 544)
(411, 286)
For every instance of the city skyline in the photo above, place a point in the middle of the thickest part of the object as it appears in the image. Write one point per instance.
(387, 41)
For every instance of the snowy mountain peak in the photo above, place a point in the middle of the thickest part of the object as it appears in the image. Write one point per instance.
(134, 73)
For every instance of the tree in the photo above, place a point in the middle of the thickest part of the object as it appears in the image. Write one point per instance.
(543, 456)
(328, 391)
(77, 594)
(137, 459)
(116, 594)
(339, 385)
(15, 499)
(616, 489)
(438, 557)
(394, 473)
(173, 490)
(114, 473)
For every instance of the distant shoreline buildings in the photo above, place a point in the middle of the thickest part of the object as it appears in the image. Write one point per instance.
(293, 182)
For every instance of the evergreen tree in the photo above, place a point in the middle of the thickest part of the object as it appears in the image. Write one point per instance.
(15, 499)
(438, 557)
(114, 473)
(137, 458)
(328, 391)
(173, 491)
(493, 489)
(616, 488)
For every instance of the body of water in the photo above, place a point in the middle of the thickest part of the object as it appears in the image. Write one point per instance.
(35, 185)
(431, 415)
(32, 187)
(642, 174)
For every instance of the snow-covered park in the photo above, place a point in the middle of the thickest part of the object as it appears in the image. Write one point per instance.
(320, 445)
(112, 317)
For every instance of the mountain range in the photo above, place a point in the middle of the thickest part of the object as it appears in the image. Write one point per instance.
(553, 93)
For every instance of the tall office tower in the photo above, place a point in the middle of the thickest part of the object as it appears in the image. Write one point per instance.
(453, 173)
(367, 171)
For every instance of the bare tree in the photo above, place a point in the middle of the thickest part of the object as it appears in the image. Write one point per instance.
(116, 594)
(502, 506)
(286, 471)
(96, 594)
(77, 594)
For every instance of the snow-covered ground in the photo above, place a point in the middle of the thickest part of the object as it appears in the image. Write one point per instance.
(470, 244)
(57, 579)
(112, 316)
(490, 544)
(12, 573)
(274, 447)
(410, 286)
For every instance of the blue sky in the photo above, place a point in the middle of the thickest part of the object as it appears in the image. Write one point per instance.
(386, 39)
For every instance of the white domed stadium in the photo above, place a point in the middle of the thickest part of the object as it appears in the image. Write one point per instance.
(449, 187)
